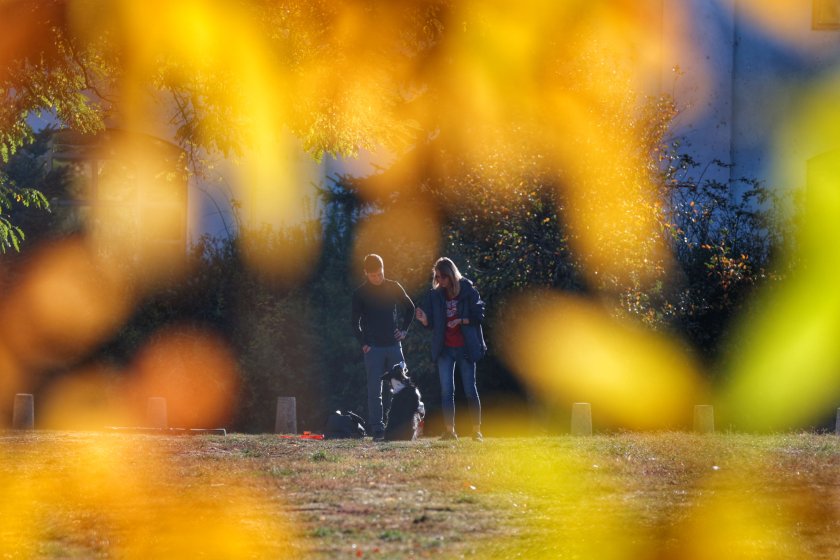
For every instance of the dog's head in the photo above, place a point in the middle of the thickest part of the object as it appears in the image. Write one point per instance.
(398, 372)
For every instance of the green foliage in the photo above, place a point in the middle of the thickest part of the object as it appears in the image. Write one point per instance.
(510, 232)
(513, 240)
(78, 63)
(47, 69)
(43, 69)
(21, 176)
(727, 239)
(10, 235)
(266, 322)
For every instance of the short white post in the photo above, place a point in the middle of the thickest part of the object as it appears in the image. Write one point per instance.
(285, 421)
(156, 414)
(704, 419)
(837, 423)
(23, 414)
(581, 419)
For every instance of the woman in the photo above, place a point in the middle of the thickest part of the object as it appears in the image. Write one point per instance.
(454, 311)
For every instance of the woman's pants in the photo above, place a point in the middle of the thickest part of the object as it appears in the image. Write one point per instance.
(446, 370)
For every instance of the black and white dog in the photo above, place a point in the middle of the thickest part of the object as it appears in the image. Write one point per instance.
(403, 421)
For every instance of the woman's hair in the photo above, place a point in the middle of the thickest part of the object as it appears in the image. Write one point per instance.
(445, 267)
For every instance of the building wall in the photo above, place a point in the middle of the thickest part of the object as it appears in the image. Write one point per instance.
(699, 76)
(775, 71)
(749, 75)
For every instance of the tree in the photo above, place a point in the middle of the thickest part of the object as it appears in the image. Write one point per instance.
(224, 77)
(219, 77)
(523, 147)
(728, 240)
(42, 68)
(22, 170)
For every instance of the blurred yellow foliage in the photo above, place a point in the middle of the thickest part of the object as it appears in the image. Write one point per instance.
(127, 497)
(567, 348)
(561, 80)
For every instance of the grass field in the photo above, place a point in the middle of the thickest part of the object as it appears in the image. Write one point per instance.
(619, 496)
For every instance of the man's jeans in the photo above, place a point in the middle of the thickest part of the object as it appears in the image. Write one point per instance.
(378, 361)
(446, 370)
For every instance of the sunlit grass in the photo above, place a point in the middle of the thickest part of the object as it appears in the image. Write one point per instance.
(627, 496)
(88, 495)
(667, 495)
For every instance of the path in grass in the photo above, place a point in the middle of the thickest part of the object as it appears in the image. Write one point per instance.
(624, 496)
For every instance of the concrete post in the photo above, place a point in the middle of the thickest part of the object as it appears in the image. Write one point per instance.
(285, 421)
(581, 419)
(704, 419)
(23, 414)
(156, 414)
(837, 423)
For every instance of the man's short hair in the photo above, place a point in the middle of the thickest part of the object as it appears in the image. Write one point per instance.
(373, 263)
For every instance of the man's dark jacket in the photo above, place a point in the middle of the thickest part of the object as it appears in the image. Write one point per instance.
(378, 311)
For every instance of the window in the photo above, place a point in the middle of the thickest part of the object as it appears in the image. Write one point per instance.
(826, 15)
(141, 208)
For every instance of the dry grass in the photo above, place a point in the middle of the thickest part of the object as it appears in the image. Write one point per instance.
(668, 495)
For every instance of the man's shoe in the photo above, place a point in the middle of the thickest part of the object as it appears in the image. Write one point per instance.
(477, 436)
(450, 435)
(378, 437)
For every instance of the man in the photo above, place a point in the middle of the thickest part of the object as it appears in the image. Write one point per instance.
(382, 313)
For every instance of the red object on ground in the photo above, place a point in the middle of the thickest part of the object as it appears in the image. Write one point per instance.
(310, 435)
(305, 435)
